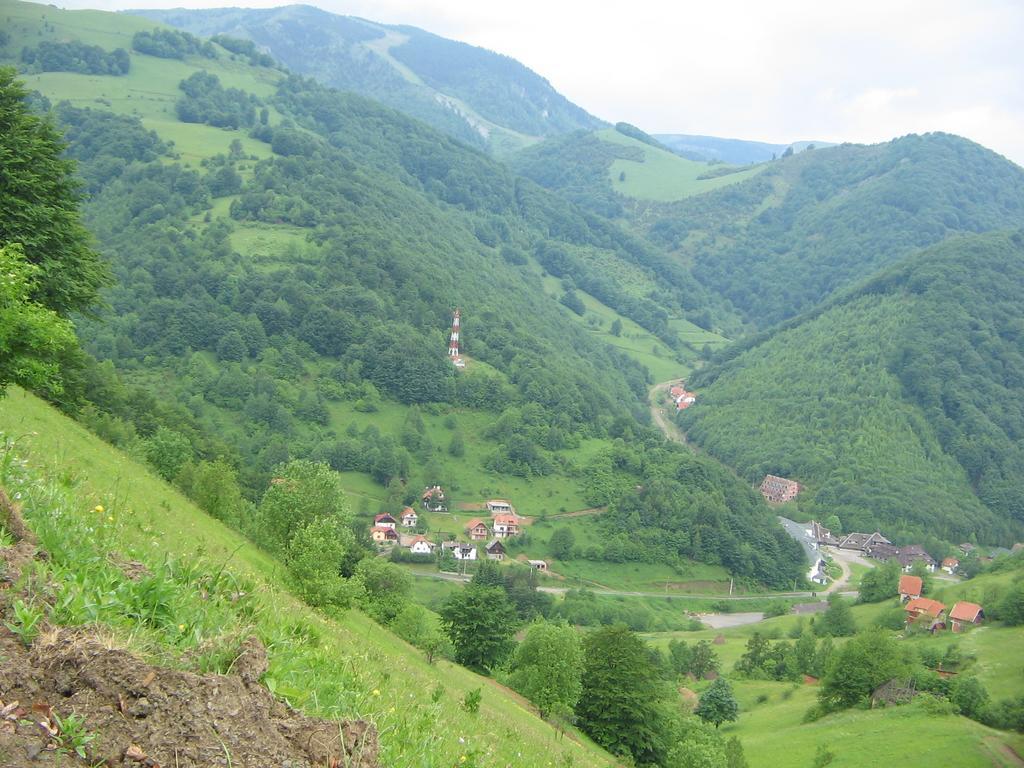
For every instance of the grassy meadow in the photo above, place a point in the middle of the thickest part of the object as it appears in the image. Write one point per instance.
(635, 340)
(771, 724)
(773, 733)
(150, 89)
(663, 176)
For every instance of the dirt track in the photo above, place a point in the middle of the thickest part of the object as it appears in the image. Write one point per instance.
(661, 419)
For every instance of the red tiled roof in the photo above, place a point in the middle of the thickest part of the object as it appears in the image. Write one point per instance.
(474, 523)
(950, 561)
(383, 516)
(910, 585)
(506, 519)
(388, 531)
(964, 611)
(925, 605)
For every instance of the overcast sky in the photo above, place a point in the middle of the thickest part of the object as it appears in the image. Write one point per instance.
(780, 71)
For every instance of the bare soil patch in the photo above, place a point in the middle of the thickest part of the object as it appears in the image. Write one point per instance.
(141, 715)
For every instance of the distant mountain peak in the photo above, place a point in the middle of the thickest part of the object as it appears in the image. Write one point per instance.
(479, 96)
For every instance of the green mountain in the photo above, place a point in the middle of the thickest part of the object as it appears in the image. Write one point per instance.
(777, 238)
(898, 403)
(476, 95)
(287, 260)
(781, 242)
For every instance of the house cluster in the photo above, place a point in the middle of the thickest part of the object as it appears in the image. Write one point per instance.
(875, 546)
(385, 526)
(962, 615)
(503, 523)
(681, 397)
(778, 489)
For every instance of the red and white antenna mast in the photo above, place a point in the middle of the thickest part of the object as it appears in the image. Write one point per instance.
(453, 341)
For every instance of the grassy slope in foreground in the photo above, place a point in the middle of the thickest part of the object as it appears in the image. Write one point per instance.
(662, 176)
(357, 669)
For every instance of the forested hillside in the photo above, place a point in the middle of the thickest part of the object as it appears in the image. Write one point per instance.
(474, 94)
(777, 239)
(287, 259)
(781, 242)
(897, 404)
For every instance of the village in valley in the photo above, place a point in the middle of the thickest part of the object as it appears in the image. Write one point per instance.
(874, 548)
(478, 538)
(455, 536)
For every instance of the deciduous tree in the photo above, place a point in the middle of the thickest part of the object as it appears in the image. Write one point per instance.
(619, 703)
(302, 491)
(480, 623)
(717, 704)
(562, 543)
(39, 207)
(860, 666)
(32, 337)
(548, 665)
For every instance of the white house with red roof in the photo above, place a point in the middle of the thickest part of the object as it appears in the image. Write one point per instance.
(409, 518)
(681, 397)
(965, 614)
(433, 499)
(385, 520)
(910, 587)
(505, 526)
(420, 545)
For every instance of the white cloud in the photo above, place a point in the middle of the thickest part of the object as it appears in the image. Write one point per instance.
(790, 69)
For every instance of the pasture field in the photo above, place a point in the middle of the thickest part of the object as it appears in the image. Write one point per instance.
(774, 735)
(150, 89)
(771, 724)
(635, 340)
(464, 478)
(663, 176)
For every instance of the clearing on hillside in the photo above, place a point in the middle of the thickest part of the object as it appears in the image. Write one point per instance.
(663, 176)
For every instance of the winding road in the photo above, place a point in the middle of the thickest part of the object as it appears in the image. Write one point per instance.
(656, 397)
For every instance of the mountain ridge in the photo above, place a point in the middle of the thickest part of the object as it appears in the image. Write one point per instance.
(479, 96)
